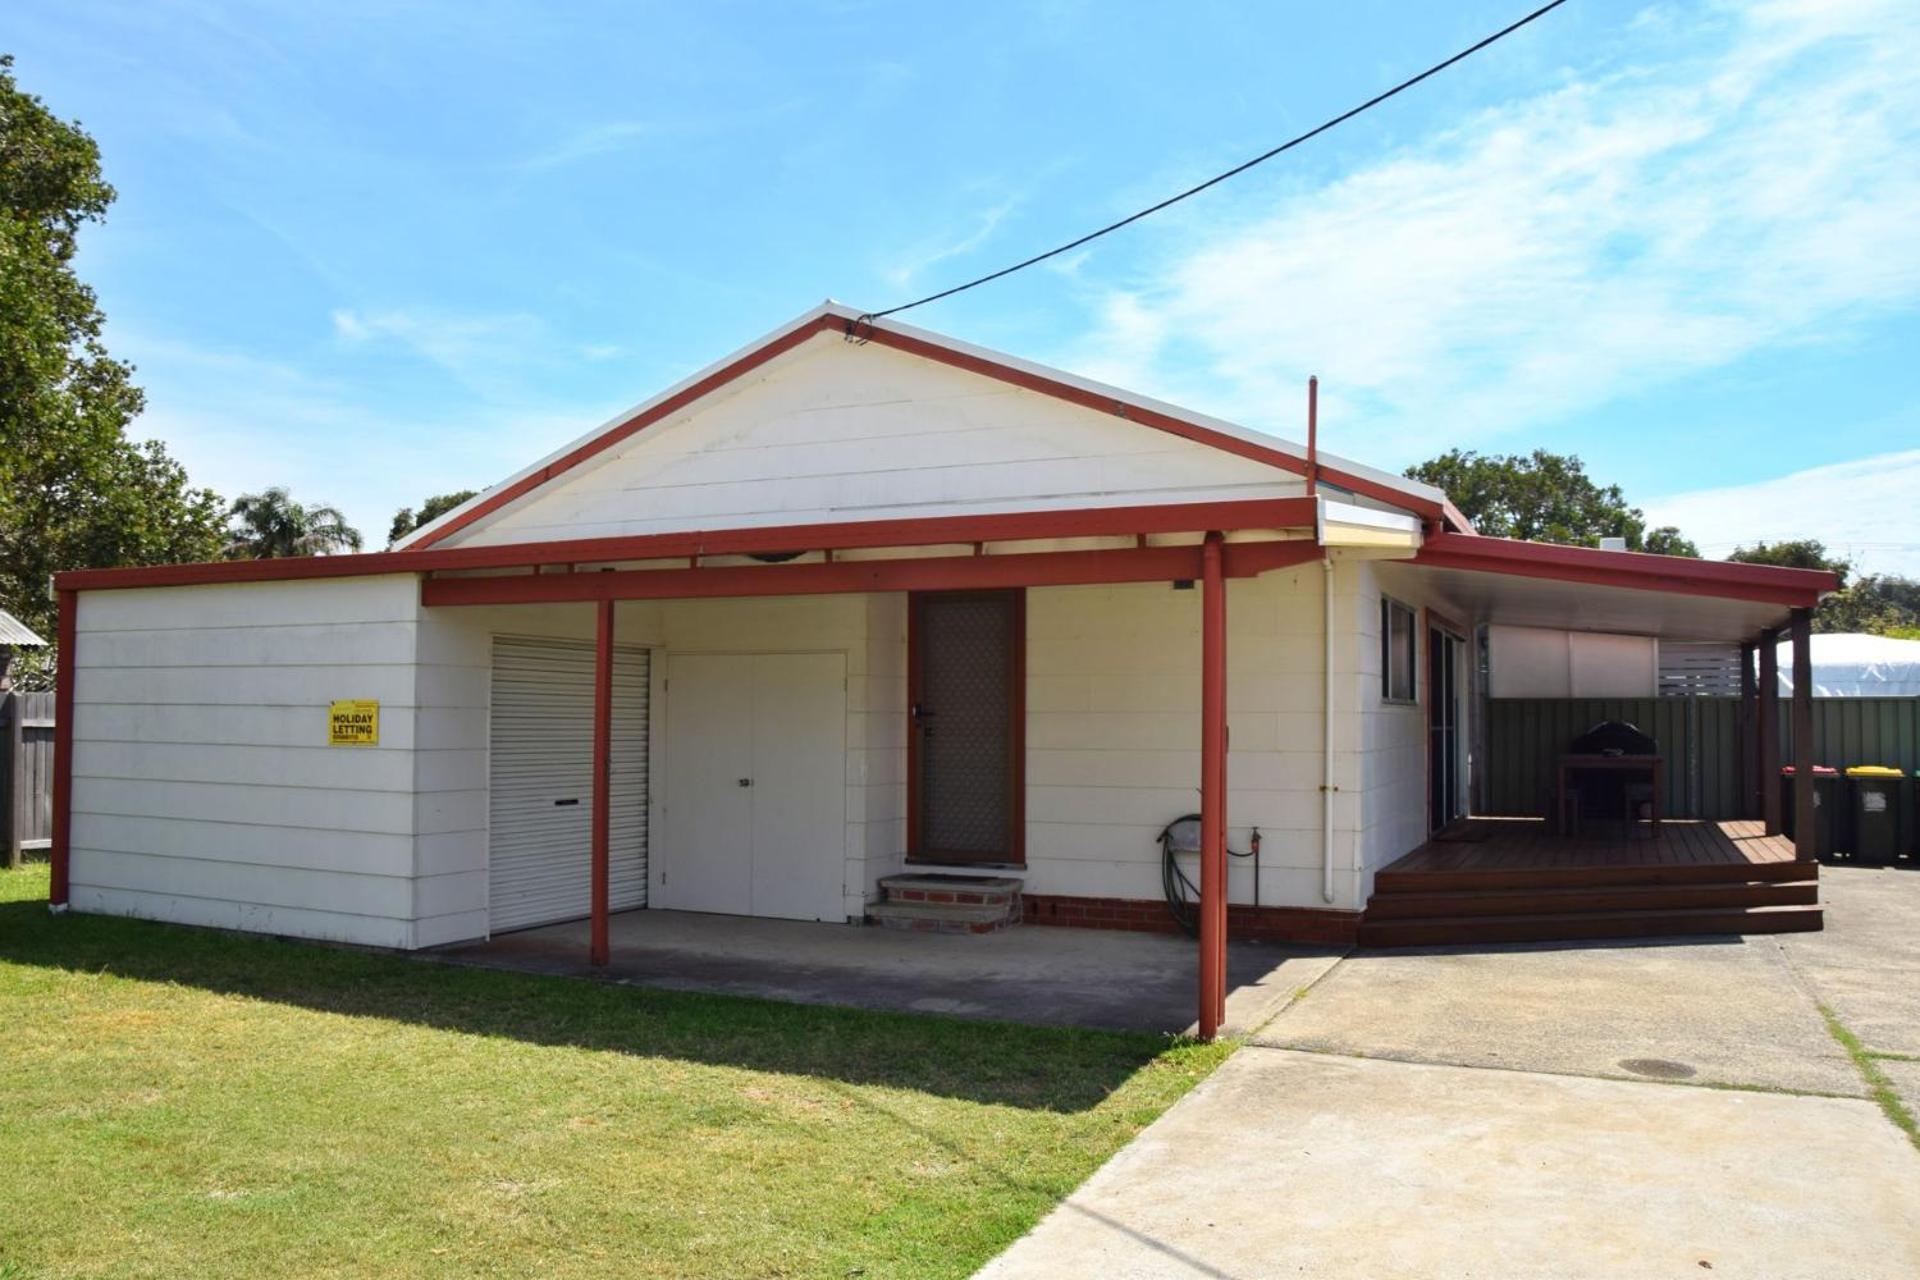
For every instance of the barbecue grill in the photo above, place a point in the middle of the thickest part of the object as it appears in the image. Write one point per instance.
(1599, 780)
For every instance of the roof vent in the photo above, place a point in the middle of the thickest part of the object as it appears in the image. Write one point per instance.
(1613, 544)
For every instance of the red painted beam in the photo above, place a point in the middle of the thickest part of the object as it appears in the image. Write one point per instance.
(1765, 584)
(602, 781)
(60, 850)
(944, 573)
(1213, 788)
(1013, 526)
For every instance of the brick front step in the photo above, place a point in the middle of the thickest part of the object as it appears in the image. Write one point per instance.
(943, 917)
(954, 890)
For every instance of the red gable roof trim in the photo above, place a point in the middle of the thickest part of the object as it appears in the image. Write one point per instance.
(1407, 496)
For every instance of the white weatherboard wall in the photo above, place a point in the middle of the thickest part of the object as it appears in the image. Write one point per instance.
(836, 431)
(1113, 736)
(1393, 782)
(204, 791)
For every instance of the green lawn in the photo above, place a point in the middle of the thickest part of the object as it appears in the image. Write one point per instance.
(177, 1102)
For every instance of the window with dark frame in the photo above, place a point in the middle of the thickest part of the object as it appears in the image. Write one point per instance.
(1399, 651)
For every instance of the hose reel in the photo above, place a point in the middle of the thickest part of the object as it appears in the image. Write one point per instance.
(1182, 836)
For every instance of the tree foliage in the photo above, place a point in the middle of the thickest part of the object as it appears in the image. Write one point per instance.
(1544, 497)
(75, 492)
(271, 525)
(405, 521)
(1877, 604)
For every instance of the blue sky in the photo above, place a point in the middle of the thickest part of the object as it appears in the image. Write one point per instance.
(378, 251)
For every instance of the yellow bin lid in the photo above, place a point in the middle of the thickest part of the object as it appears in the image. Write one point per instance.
(1874, 771)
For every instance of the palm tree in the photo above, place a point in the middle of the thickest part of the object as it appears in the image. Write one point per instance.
(272, 525)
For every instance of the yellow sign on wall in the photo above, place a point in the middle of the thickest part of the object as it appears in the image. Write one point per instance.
(353, 722)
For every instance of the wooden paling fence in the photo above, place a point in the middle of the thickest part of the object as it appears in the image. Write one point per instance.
(26, 773)
(1704, 742)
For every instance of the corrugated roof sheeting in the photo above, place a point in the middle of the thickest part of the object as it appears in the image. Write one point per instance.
(17, 633)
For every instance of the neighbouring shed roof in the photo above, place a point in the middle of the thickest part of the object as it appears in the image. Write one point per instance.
(17, 633)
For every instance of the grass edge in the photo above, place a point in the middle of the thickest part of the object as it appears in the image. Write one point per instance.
(1878, 1085)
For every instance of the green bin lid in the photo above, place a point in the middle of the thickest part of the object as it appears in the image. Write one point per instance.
(1874, 771)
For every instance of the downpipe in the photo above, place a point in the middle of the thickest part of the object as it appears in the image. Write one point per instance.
(1326, 729)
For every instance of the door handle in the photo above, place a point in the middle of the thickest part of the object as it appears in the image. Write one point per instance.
(746, 782)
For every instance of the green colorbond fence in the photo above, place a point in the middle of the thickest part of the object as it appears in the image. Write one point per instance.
(1702, 745)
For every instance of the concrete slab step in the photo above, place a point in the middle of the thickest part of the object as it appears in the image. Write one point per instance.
(943, 917)
(1589, 925)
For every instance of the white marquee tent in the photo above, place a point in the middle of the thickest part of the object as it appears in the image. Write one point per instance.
(1858, 666)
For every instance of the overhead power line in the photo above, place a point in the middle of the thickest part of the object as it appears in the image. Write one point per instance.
(1218, 178)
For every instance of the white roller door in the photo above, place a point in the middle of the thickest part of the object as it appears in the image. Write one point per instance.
(540, 773)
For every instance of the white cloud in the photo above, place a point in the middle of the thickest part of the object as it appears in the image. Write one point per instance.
(932, 253)
(1864, 509)
(476, 349)
(1755, 186)
(590, 141)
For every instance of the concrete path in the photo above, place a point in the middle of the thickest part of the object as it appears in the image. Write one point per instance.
(1865, 965)
(1502, 1112)
(1722, 1012)
(1031, 973)
(1297, 1164)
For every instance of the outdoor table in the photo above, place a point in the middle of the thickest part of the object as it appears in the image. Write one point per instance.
(1571, 764)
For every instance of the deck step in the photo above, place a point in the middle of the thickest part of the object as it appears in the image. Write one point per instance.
(1571, 898)
(1584, 925)
(1550, 877)
(943, 917)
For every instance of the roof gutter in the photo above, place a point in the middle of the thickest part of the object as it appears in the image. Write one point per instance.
(1632, 570)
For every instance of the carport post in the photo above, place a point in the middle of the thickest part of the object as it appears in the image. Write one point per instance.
(1770, 731)
(1804, 846)
(1213, 788)
(602, 775)
(1749, 734)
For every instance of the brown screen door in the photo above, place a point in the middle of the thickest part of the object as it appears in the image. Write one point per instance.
(967, 669)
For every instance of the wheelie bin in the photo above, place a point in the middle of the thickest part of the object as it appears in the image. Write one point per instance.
(1826, 807)
(1875, 811)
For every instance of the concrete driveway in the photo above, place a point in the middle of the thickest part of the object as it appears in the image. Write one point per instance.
(1046, 976)
(1538, 1111)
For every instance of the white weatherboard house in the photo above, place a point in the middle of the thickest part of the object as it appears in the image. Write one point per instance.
(854, 600)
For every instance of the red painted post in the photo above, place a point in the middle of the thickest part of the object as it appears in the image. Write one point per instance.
(69, 602)
(1213, 787)
(1770, 731)
(1313, 435)
(1804, 828)
(602, 776)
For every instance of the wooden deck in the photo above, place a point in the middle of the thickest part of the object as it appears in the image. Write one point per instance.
(1513, 879)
